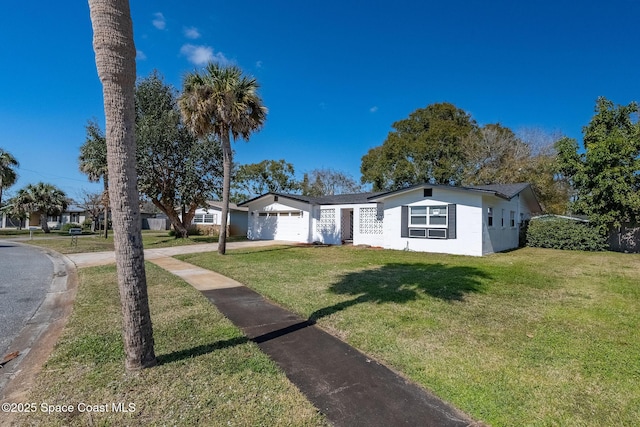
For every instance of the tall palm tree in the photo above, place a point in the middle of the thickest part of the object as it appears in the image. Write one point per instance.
(8, 175)
(223, 102)
(93, 163)
(115, 61)
(45, 199)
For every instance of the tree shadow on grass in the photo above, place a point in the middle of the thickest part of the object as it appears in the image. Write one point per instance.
(175, 356)
(404, 282)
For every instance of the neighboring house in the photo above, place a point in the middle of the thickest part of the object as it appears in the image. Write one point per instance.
(209, 217)
(74, 214)
(427, 218)
(8, 222)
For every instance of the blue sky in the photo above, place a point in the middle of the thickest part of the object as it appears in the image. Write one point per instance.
(335, 75)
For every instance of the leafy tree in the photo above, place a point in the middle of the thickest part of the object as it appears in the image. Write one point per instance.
(8, 175)
(542, 170)
(224, 103)
(494, 155)
(43, 199)
(175, 169)
(93, 204)
(115, 60)
(428, 146)
(93, 163)
(327, 182)
(606, 176)
(18, 207)
(254, 179)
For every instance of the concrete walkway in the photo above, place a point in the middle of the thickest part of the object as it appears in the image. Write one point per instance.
(92, 259)
(349, 388)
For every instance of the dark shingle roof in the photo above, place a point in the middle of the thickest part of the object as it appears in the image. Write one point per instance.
(507, 190)
(338, 199)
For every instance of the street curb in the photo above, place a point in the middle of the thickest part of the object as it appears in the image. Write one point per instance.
(36, 340)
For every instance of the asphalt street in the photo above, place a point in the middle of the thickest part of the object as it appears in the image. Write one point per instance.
(25, 278)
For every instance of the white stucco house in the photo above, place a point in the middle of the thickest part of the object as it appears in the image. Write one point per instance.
(427, 218)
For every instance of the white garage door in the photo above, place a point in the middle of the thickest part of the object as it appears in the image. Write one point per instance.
(289, 225)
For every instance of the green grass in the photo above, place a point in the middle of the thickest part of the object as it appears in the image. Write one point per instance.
(531, 337)
(208, 372)
(96, 243)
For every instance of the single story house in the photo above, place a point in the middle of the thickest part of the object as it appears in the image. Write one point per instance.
(427, 218)
(74, 214)
(209, 216)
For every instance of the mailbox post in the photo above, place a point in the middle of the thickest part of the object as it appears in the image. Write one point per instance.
(74, 233)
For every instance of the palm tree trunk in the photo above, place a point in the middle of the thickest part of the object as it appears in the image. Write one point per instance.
(115, 60)
(44, 224)
(226, 186)
(105, 181)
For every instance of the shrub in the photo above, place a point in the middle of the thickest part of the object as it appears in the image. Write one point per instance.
(65, 228)
(562, 233)
(192, 230)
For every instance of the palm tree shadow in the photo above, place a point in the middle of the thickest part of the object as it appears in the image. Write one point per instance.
(404, 282)
(175, 356)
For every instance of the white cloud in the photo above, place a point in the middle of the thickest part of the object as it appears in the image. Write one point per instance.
(202, 55)
(258, 64)
(192, 33)
(158, 21)
(373, 109)
(140, 55)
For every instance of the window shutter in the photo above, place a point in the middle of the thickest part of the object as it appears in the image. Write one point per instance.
(379, 211)
(451, 219)
(404, 222)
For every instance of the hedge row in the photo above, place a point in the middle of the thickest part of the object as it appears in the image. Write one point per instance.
(562, 233)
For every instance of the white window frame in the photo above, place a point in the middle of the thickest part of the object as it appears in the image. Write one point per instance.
(205, 219)
(437, 214)
(428, 216)
(512, 219)
(490, 216)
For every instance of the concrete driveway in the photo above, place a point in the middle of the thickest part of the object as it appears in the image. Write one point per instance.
(92, 259)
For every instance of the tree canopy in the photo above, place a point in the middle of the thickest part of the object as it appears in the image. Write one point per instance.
(428, 146)
(92, 161)
(175, 169)
(328, 182)
(222, 102)
(252, 180)
(442, 144)
(606, 176)
(8, 175)
(177, 172)
(41, 198)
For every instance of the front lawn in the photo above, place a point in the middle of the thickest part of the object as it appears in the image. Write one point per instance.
(208, 372)
(530, 337)
(96, 243)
